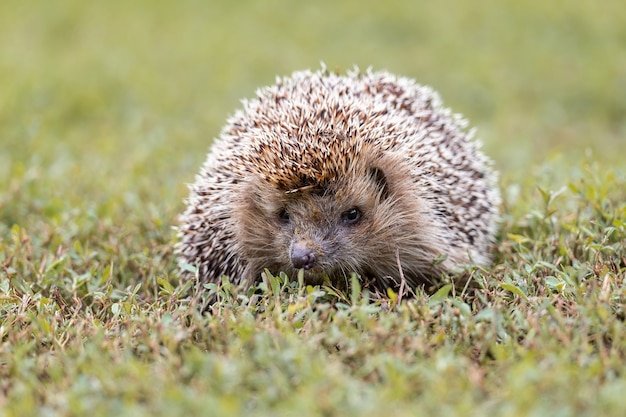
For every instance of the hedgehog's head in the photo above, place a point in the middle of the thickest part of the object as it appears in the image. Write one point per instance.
(331, 209)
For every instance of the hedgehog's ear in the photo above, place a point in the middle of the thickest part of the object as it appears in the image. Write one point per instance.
(380, 179)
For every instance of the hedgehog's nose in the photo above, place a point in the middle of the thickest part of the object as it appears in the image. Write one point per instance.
(302, 256)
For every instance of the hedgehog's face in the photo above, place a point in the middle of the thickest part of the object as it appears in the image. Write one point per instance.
(319, 228)
(323, 230)
(346, 225)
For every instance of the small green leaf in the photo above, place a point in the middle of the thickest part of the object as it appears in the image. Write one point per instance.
(188, 267)
(355, 289)
(166, 287)
(513, 289)
(116, 309)
(555, 284)
(440, 295)
(518, 238)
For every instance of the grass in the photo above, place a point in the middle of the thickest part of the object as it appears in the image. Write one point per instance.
(107, 110)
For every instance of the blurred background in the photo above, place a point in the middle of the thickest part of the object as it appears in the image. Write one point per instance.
(117, 102)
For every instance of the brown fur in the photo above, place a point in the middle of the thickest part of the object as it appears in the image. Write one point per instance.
(392, 225)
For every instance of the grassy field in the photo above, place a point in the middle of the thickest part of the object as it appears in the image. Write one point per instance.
(107, 110)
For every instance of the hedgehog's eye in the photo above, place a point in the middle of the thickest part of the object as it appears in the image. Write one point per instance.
(351, 216)
(283, 215)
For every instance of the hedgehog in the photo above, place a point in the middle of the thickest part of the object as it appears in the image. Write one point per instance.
(330, 175)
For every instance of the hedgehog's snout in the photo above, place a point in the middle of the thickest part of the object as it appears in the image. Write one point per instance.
(302, 256)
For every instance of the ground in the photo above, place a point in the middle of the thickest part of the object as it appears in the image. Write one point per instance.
(107, 111)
